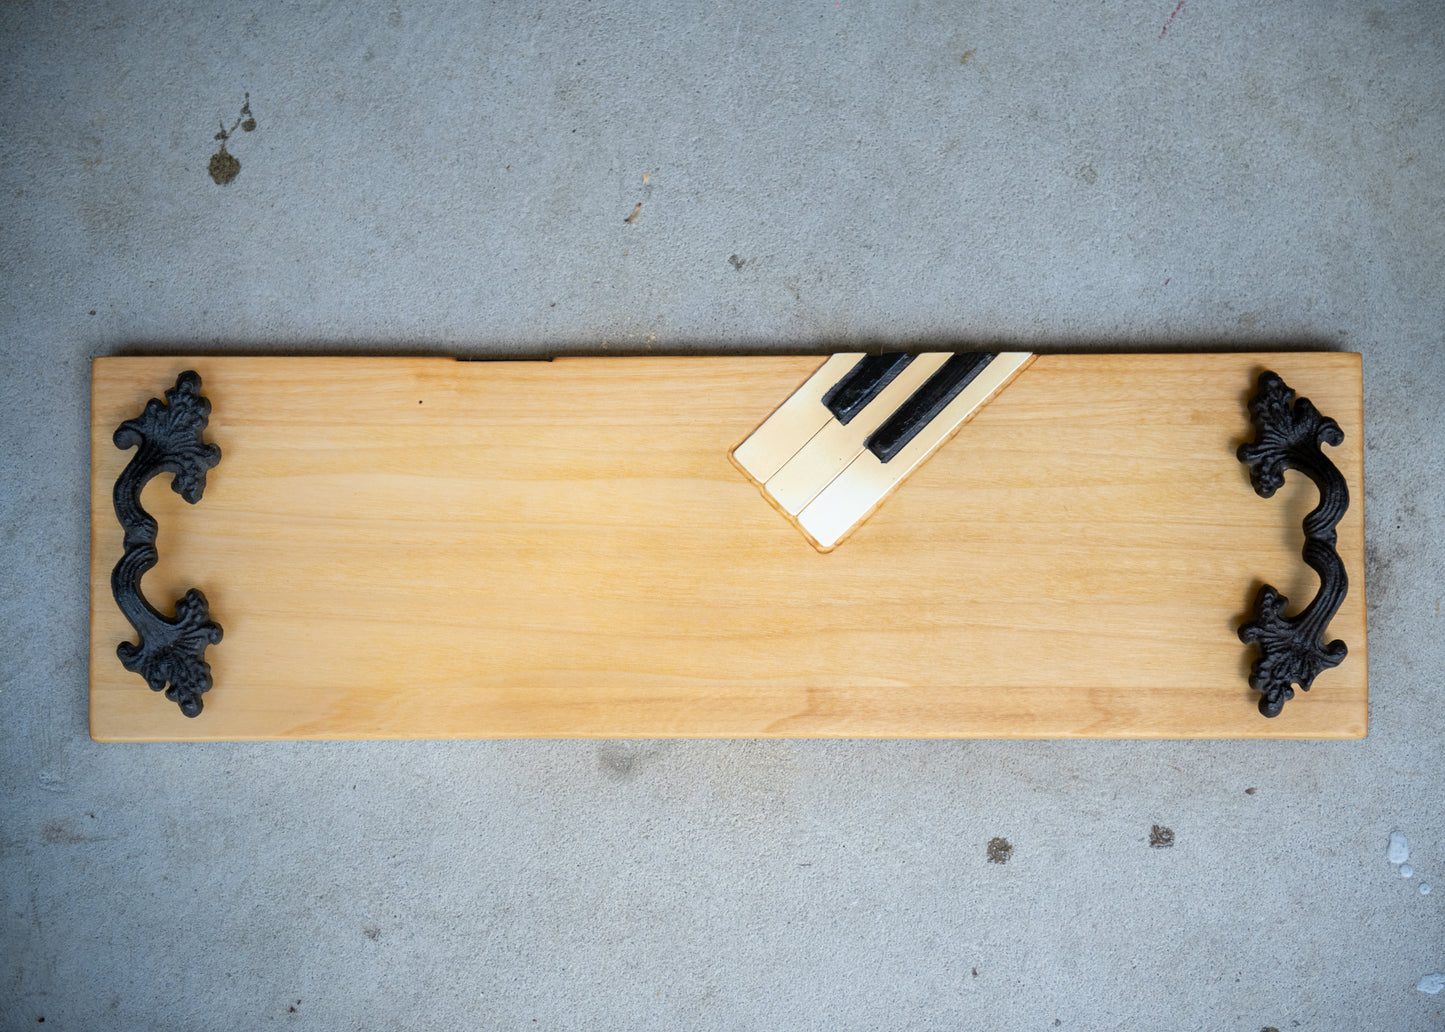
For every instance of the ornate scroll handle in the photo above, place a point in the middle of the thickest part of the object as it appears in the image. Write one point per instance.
(170, 654)
(1291, 650)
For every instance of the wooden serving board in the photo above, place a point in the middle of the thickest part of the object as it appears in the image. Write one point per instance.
(426, 548)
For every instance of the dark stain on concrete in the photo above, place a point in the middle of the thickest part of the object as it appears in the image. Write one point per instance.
(60, 833)
(1161, 837)
(999, 850)
(623, 761)
(224, 166)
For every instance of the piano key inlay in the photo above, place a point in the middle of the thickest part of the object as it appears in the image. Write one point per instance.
(849, 436)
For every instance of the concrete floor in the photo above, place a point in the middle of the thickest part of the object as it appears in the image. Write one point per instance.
(453, 178)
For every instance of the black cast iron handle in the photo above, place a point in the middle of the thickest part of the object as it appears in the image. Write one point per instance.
(1291, 649)
(169, 653)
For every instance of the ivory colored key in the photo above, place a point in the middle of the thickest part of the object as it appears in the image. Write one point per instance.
(833, 447)
(859, 489)
(794, 423)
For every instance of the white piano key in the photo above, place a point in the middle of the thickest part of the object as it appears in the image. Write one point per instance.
(793, 423)
(835, 445)
(854, 493)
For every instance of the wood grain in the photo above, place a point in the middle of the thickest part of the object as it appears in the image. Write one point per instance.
(403, 548)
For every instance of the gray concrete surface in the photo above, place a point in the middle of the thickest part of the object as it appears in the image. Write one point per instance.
(453, 178)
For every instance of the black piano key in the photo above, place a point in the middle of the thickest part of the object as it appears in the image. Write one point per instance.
(861, 384)
(925, 403)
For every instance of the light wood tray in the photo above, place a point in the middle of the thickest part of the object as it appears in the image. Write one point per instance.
(426, 548)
